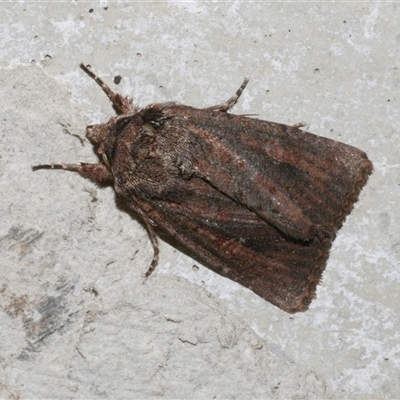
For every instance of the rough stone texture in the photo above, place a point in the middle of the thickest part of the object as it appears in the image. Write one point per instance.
(76, 319)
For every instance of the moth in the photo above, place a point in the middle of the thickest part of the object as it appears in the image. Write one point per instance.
(256, 201)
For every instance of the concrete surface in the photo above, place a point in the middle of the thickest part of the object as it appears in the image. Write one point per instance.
(76, 319)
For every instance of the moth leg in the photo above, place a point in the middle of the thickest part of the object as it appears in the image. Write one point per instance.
(300, 124)
(122, 105)
(227, 105)
(156, 250)
(98, 173)
(153, 239)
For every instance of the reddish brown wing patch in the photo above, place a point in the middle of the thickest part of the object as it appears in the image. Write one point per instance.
(238, 244)
(301, 183)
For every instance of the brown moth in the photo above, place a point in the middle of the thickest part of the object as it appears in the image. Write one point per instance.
(258, 202)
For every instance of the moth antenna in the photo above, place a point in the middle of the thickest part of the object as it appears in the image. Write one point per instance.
(122, 105)
(227, 105)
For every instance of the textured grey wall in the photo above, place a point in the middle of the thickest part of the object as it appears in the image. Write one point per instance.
(76, 319)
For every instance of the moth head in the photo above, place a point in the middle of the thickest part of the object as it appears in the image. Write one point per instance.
(119, 132)
(99, 135)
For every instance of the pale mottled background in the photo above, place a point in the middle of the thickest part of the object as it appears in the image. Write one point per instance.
(75, 318)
